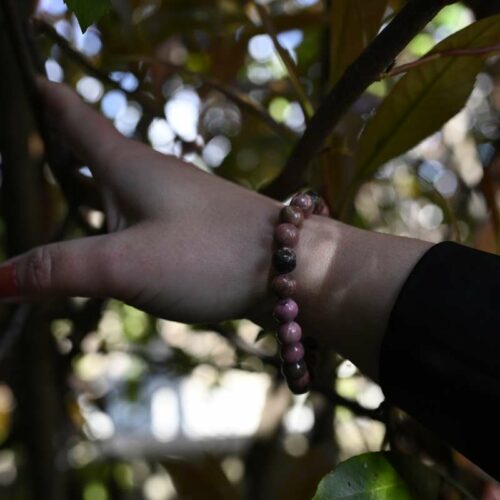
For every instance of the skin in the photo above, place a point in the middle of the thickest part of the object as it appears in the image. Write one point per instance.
(192, 247)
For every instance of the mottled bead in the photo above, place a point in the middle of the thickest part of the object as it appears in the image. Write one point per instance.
(315, 198)
(300, 385)
(292, 215)
(284, 260)
(294, 371)
(289, 333)
(284, 286)
(304, 202)
(292, 353)
(285, 310)
(286, 235)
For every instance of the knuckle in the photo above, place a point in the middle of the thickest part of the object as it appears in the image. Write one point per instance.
(40, 269)
(111, 266)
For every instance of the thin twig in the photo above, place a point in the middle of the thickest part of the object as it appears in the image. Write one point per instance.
(147, 102)
(154, 109)
(359, 410)
(241, 345)
(336, 399)
(242, 100)
(363, 72)
(478, 51)
(288, 62)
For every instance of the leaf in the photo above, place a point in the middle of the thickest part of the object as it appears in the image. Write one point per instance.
(368, 476)
(287, 61)
(425, 98)
(379, 476)
(354, 23)
(261, 335)
(88, 11)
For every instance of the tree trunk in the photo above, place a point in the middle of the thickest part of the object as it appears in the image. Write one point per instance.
(38, 406)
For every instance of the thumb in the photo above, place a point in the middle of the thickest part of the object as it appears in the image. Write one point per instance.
(84, 267)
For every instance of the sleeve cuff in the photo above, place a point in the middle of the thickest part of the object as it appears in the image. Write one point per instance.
(440, 357)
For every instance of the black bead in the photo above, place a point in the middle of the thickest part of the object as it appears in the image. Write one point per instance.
(294, 371)
(284, 260)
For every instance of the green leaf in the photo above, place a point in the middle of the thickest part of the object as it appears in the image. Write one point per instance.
(379, 476)
(368, 476)
(88, 11)
(425, 98)
(261, 335)
(354, 23)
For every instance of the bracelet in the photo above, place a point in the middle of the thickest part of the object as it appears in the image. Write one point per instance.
(289, 335)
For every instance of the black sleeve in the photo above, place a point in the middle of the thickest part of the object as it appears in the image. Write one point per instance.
(440, 357)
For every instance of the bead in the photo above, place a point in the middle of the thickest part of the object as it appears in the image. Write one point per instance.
(315, 198)
(292, 215)
(294, 371)
(289, 333)
(286, 235)
(300, 385)
(284, 286)
(284, 260)
(304, 202)
(297, 353)
(292, 353)
(285, 310)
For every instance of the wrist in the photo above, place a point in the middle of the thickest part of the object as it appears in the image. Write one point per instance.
(347, 282)
(315, 251)
(352, 279)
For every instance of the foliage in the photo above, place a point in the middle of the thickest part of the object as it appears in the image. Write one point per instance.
(378, 476)
(426, 97)
(88, 11)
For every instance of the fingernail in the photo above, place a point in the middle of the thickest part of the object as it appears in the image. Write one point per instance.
(8, 281)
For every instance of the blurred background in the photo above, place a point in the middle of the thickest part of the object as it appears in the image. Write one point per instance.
(99, 401)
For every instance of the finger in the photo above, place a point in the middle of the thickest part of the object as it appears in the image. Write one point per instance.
(91, 136)
(87, 267)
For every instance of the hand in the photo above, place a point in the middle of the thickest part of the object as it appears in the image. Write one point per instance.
(184, 245)
(192, 247)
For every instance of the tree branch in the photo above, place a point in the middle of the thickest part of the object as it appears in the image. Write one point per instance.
(327, 392)
(241, 345)
(149, 104)
(364, 71)
(241, 99)
(478, 51)
(287, 61)
(232, 94)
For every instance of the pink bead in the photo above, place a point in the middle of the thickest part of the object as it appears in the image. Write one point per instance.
(304, 202)
(300, 385)
(286, 235)
(292, 215)
(292, 353)
(284, 286)
(289, 333)
(285, 310)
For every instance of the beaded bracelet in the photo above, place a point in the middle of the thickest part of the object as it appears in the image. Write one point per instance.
(284, 286)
